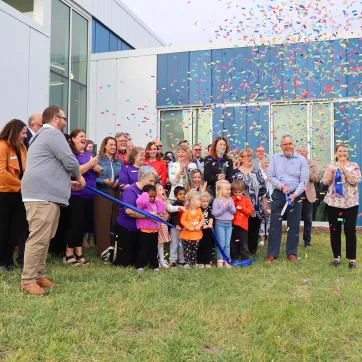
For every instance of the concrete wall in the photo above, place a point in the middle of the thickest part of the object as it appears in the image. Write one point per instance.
(123, 97)
(24, 64)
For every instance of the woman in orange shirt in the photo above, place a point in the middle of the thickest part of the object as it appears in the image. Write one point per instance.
(153, 158)
(13, 224)
(192, 219)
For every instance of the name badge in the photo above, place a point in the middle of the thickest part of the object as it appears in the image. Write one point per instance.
(13, 158)
(134, 171)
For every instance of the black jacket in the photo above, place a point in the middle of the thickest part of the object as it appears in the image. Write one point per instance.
(28, 138)
(174, 216)
(213, 168)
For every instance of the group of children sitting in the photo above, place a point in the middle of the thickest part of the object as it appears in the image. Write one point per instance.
(193, 215)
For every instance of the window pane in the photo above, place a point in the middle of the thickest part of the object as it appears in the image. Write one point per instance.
(79, 48)
(203, 129)
(24, 6)
(175, 126)
(78, 106)
(289, 119)
(101, 38)
(113, 42)
(58, 92)
(59, 53)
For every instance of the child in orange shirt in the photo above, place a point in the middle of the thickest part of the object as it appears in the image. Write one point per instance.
(244, 209)
(193, 220)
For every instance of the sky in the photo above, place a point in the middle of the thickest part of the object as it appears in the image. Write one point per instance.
(180, 22)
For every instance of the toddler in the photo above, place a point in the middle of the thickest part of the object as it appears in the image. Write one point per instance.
(175, 209)
(163, 234)
(147, 254)
(193, 220)
(223, 209)
(204, 254)
(244, 209)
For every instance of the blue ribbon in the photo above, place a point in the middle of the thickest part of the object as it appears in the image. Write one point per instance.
(156, 218)
(338, 184)
(287, 199)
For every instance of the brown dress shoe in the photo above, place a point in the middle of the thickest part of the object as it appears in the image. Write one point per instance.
(292, 258)
(269, 259)
(33, 288)
(45, 283)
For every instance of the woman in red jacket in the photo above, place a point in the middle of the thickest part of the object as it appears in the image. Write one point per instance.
(244, 209)
(153, 158)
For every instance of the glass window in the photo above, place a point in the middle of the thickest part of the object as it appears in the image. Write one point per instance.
(58, 92)
(79, 55)
(78, 106)
(26, 7)
(59, 44)
(101, 38)
(202, 131)
(113, 40)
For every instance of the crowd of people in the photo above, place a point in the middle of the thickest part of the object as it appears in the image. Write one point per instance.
(44, 201)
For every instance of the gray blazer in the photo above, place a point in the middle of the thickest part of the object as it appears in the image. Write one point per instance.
(49, 163)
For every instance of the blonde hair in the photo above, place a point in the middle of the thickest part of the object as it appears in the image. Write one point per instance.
(247, 150)
(185, 147)
(219, 186)
(238, 185)
(206, 195)
(263, 161)
(190, 196)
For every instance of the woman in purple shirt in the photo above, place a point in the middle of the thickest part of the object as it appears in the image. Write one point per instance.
(81, 202)
(127, 234)
(129, 174)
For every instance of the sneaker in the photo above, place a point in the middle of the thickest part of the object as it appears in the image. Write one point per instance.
(181, 263)
(227, 265)
(201, 266)
(187, 266)
(164, 264)
(261, 243)
(140, 270)
(172, 265)
(3, 268)
(156, 270)
(352, 265)
(220, 263)
(207, 266)
(308, 246)
(12, 267)
(107, 255)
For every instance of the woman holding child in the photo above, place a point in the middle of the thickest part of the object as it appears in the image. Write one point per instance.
(255, 189)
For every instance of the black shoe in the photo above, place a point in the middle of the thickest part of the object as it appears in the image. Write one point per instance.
(308, 246)
(172, 265)
(12, 267)
(336, 263)
(182, 264)
(352, 265)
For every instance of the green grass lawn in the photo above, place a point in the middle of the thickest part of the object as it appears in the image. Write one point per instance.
(307, 311)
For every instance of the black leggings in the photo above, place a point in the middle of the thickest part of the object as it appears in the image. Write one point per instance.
(349, 217)
(79, 213)
(148, 250)
(204, 252)
(13, 225)
(253, 234)
(127, 246)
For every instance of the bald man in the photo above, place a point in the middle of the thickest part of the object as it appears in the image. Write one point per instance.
(34, 124)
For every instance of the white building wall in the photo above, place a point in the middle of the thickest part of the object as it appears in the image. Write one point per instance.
(123, 98)
(24, 64)
(118, 18)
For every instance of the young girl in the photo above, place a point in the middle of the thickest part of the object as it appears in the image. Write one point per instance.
(223, 209)
(244, 209)
(147, 254)
(204, 254)
(163, 234)
(193, 220)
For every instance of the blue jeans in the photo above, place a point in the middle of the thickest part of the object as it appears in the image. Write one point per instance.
(223, 231)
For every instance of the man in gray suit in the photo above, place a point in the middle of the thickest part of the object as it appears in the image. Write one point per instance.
(260, 154)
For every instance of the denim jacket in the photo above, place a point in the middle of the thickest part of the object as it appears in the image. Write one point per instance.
(107, 172)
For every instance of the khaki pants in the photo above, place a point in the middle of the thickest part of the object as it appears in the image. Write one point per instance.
(43, 218)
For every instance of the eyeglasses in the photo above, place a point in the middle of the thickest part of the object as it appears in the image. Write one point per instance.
(197, 149)
(260, 151)
(248, 156)
(65, 118)
(286, 144)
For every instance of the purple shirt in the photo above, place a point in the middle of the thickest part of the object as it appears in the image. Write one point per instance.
(128, 175)
(129, 196)
(221, 212)
(90, 177)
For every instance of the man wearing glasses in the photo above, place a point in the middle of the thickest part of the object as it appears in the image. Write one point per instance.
(196, 152)
(260, 153)
(289, 174)
(34, 125)
(122, 139)
(159, 145)
(46, 187)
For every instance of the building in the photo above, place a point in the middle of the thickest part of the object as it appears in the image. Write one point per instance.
(250, 94)
(47, 45)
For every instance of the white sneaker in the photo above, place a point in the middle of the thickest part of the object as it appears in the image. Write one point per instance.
(201, 266)
(140, 270)
(187, 266)
(261, 243)
(156, 270)
(207, 266)
(164, 264)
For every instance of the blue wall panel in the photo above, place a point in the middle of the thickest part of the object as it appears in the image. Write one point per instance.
(217, 122)
(240, 74)
(101, 38)
(289, 66)
(227, 67)
(354, 73)
(252, 74)
(162, 83)
(113, 42)
(216, 76)
(303, 75)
